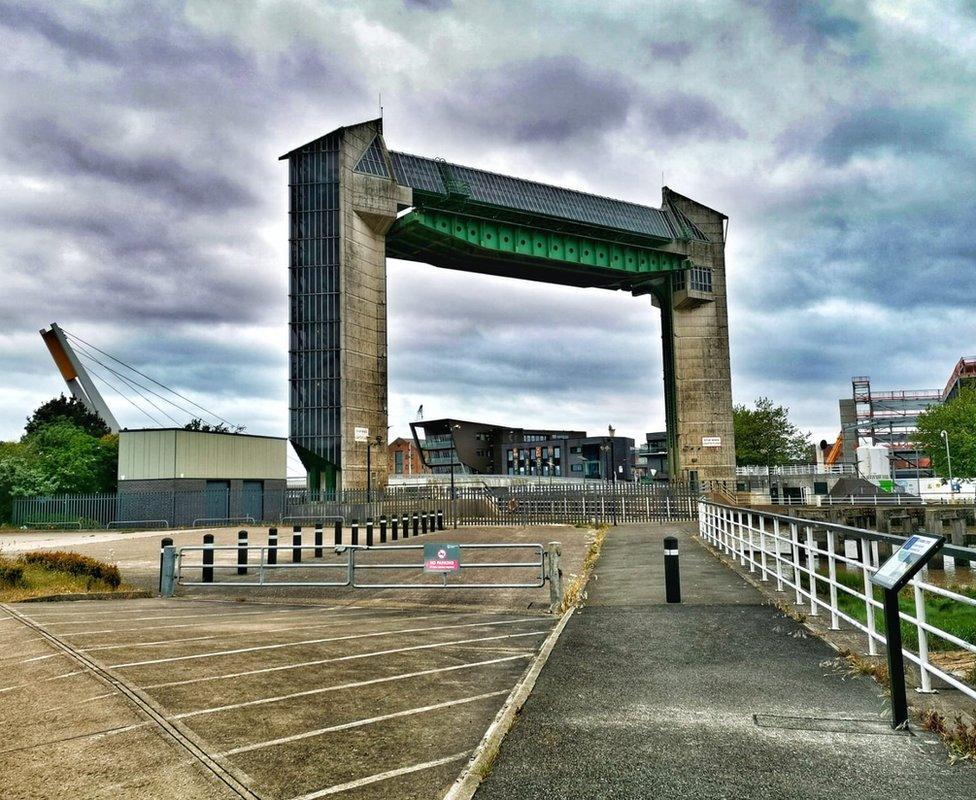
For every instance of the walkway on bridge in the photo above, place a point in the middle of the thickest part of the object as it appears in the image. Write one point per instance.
(721, 697)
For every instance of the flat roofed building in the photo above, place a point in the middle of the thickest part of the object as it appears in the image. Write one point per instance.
(183, 475)
(486, 449)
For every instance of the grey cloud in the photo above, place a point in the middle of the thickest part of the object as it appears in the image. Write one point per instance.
(428, 5)
(76, 40)
(680, 114)
(45, 143)
(814, 24)
(907, 131)
(674, 52)
(544, 100)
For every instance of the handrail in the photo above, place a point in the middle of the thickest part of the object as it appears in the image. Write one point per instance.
(965, 553)
(744, 535)
(245, 518)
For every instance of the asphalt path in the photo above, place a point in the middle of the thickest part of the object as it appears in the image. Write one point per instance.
(720, 697)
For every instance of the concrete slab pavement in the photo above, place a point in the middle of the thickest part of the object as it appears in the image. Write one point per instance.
(720, 697)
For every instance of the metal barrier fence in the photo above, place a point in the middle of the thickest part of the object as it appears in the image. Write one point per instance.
(542, 503)
(794, 553)
(350, 565)
(855, 500)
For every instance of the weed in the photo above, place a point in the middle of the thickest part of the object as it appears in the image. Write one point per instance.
(859, 665)
(575, 593)
(959, 737)
(11, 574)
(77, 565)
(791, 611)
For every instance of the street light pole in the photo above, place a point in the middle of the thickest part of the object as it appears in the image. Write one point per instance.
(944, 435)
(453, 458)
(369, 471)
(613, 474)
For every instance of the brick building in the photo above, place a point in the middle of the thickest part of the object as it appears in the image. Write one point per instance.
(403, 458)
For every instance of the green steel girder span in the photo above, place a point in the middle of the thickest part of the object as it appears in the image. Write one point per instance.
(457, 240)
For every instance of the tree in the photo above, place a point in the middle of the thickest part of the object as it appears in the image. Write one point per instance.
(58, 457)
(197, 424)
(958, 419)
(765, 436)
(70, 410)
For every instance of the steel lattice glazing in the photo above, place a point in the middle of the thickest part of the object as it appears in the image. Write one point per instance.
(314, 300)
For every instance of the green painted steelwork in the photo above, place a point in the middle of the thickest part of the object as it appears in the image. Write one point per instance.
(459, 240)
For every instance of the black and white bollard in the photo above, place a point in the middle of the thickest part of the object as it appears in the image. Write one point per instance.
(167, 542)
(242, 552)
(393, 528)
(383, 530)
(338, 531)
(405, 527)
(296, 544)
(318, 540)
(208, 558)
(354, 532)
(440, 520)
(272, 545)
(672, 575)
(416, 524)
(423, 521)
(369, 532)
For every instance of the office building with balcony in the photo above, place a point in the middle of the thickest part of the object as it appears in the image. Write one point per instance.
(476, 448)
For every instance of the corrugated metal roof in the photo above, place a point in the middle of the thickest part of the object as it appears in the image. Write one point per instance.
(427, 174)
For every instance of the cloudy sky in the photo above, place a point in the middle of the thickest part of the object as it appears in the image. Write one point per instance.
(143, 206)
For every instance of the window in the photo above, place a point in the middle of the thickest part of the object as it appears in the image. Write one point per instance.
(575, 467)
(398, 462)
(575, 449)
(556, 451)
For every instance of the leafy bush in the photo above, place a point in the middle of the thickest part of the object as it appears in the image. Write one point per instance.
(11, 574)
(75, 564)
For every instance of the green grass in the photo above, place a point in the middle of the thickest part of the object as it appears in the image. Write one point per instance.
(951, 616)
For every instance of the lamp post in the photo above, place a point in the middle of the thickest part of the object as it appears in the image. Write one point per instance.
(454, 427)
(608, 447)
(369, 466)
(944, 435)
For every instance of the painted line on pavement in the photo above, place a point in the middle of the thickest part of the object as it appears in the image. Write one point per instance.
(345, 726)
(304, 642)
(235, 633)
(382, 776)
(373, 654)
(479, 765)
(46, 624)
(354, 685)
(33, 684)
(73, 634)
(94, 735)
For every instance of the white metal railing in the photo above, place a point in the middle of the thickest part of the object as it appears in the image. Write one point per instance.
(786, 550)
(853, 500)
(797, 469)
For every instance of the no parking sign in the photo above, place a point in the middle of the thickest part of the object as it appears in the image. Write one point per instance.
(442, 557)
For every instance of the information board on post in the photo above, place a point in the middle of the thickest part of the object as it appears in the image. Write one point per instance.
(906, 561)
(442, 558)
